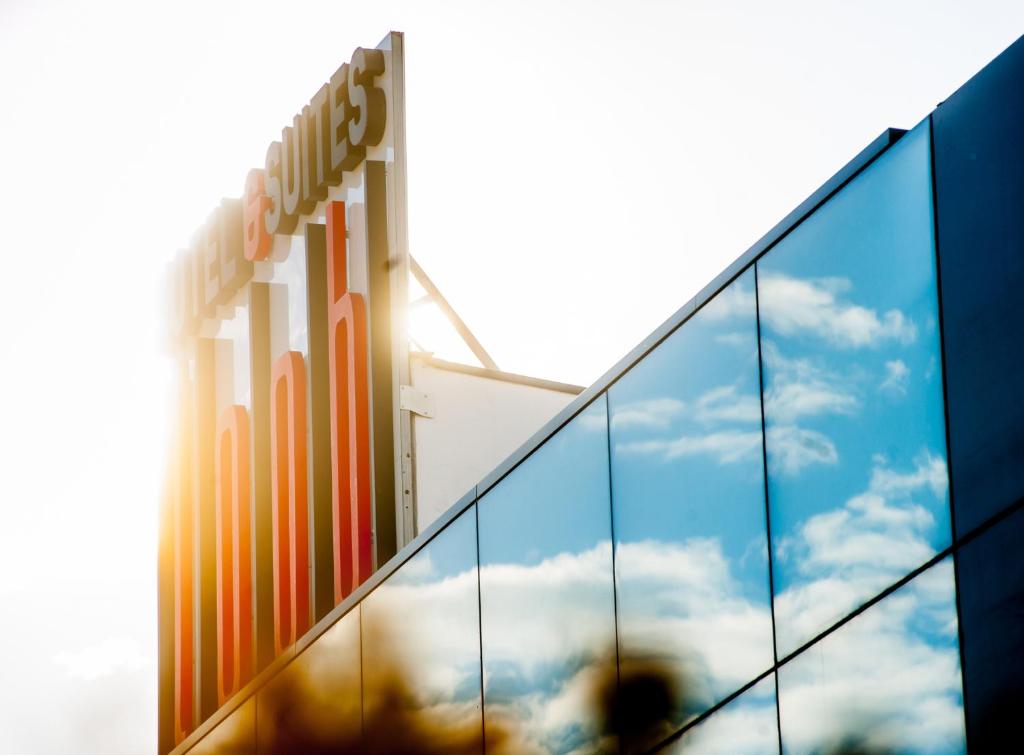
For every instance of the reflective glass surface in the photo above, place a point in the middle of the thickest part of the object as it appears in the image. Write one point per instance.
(547, 606)
(689, 511)
(421, 649)
(315, 703)
(746, 726)
(853, 395)
(235, 735)
(887, 682)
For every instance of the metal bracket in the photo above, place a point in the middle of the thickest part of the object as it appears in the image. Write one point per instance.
(415, 401)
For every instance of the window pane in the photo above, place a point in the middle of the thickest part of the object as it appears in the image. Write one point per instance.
(547, 613)
(746, 726)
(853, 395)
(421, 649)
(689, 512)
(889, 681)
(315, 703)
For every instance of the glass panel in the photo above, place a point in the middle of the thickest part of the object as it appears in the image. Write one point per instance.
(889, 681)
(853, 395)
(547, 606)
(746, 726)
(689, 513)
(315, 703)
(235, 735)
(421, 649)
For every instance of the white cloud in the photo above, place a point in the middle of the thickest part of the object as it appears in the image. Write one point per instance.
(655, 413)
(726, 403)
(747, 726)
(897, 376)
(736, 300)
(793, 305)
(800, 388)
(786, 402)
(736, 339)
(879, 681)
(725, 447)
(929, 471)
(792, 448)
(848, 554)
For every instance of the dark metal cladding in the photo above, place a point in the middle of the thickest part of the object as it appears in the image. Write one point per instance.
(979, 183)
(978, 137)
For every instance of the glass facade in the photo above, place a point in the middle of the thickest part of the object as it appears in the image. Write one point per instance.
(750, 525)
(855, 433)
(421, 648)
(691, 541)
(547, 613)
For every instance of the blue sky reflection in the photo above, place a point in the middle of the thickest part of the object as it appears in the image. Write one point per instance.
(547, 610)
(853, 395)
(689, 513)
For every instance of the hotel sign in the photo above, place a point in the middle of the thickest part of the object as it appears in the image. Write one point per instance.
(289, 476)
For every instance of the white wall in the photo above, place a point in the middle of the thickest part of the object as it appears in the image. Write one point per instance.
(477, 422)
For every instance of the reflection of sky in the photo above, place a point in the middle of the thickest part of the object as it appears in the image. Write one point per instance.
(889, 681)
(858, 490)
(427, 612)
(688, 490)
(853, 403)
(547, 611)
(554, 502)
(746, 726)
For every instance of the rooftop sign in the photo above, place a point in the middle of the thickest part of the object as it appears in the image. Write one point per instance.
(289, 475)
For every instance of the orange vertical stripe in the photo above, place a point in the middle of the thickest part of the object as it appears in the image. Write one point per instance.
(290, 512)
(234, 555)
(350, 416)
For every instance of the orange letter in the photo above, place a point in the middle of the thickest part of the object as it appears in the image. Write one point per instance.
(289, 499)
(350, 417)
(257, 241)
(234, 564)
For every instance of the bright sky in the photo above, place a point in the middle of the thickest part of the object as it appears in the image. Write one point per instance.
(577, 171)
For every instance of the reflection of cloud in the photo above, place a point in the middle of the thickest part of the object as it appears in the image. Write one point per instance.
(735, 339)
(792, 448)
(679, 600)
(793, 305)
(787, 401)
(897, 375)
(725, 447)
(657, 412)
(889, 681)
(746, 726)
(800, 388)
(714, 407)
(725, 403)
(445, 611)
(683, 599)
(736, 300)
(852, 553)
(929, 472)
